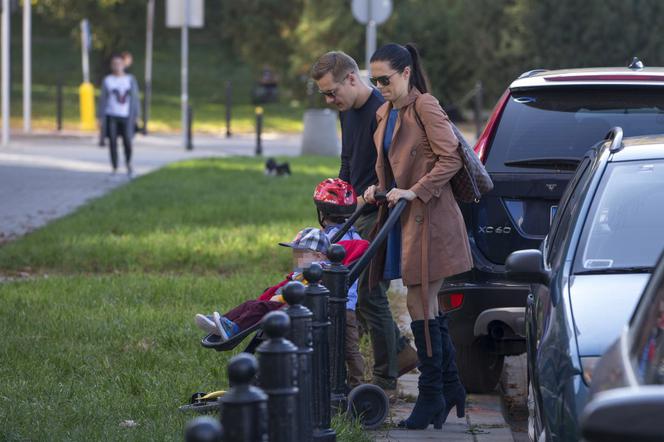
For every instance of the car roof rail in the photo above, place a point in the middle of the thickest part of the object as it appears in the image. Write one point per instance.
(531, 73)
(635, 64)
(615, 135)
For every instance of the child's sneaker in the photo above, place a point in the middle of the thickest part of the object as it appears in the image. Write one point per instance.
(225, 327)
(206, 323)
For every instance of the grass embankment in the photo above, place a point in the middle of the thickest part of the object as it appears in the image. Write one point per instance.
(108, 335)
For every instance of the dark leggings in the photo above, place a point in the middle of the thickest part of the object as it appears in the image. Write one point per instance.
(118, 126)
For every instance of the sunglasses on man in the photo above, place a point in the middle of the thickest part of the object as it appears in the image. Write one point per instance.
(384, 80)
(333, 93)
(328, 94)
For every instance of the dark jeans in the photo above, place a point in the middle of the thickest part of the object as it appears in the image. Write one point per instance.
(373, 310)
(118, 126)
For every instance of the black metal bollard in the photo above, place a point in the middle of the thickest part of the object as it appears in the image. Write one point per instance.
(300, 335)
(146, 107)
(190, 123)
(335, 278)
(229, 103)
(316, 300)
(204, 429)
(58, 104)
(259, 131)
(244, 411)
(277, 366)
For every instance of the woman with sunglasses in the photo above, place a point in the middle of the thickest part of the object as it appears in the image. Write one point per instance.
(417, 157)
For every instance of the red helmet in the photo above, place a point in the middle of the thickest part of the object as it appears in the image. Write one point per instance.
(334, 196)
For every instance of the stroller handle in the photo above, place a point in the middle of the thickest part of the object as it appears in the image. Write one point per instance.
(362, 263)
(380, 196)
(365, 208)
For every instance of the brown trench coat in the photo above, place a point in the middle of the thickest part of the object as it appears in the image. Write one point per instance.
(432, 227)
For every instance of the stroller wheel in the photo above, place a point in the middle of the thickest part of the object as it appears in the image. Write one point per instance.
(369, 404)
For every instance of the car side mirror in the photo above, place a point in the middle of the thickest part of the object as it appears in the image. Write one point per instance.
(624, 414)
(527, 266)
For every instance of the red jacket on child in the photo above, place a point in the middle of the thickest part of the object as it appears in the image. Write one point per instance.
(355, 248)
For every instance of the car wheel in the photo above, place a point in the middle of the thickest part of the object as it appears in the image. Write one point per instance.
(479, 365)
(531, 413)
(535, 432)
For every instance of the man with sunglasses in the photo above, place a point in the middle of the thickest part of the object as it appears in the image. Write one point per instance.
(338, 79)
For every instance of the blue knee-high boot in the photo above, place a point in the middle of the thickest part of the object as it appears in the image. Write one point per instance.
(430, 405)
(453, 390)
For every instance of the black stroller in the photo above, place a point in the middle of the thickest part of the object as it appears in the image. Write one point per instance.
(368, 402)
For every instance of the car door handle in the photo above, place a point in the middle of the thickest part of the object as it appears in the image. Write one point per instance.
(530, 300)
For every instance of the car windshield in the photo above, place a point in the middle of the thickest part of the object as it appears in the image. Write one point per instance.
(623, 230)
(550, 129)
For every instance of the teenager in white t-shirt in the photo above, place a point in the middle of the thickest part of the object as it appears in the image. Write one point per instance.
(119, 109)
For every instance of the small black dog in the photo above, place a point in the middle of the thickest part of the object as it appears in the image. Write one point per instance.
(272, 168)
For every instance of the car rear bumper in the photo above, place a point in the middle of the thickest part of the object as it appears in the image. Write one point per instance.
(492, 322)
(495, 309)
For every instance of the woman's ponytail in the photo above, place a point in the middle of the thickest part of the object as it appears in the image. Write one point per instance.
(418, 77)
(399, 57)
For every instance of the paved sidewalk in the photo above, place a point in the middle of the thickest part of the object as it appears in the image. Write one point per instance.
(44, 177)
(484, 419)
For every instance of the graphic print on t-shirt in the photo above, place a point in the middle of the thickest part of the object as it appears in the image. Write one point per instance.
(119, 95)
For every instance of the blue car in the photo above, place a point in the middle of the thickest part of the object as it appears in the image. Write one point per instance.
(588, 274)
(627, 394)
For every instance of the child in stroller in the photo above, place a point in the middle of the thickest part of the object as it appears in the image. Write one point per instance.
(335, 201)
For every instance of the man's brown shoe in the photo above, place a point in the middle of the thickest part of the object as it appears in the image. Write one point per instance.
(406, 360)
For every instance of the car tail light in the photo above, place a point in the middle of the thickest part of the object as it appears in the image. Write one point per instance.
(452, 301)
(481, 148)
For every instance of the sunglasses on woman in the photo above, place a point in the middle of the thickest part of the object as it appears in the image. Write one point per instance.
(384, 80)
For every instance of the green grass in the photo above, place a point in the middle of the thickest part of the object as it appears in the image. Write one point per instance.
(82, 354)
(211, 217)
(102, 331)
(349, 430)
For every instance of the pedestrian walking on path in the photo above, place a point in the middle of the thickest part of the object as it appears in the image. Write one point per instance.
(119, 110)
(416, 158)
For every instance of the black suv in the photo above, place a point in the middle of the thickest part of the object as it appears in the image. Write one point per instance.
(537, 134)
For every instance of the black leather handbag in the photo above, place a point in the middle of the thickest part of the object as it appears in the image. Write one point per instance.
(472, 180)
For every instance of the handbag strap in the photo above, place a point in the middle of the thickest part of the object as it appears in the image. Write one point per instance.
(417, 116)
(457, 132)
